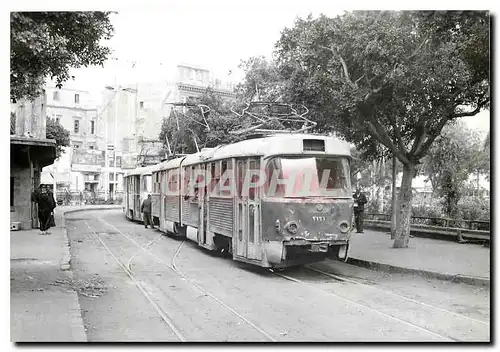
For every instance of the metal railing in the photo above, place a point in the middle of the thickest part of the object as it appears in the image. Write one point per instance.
(84, 198)
(439, 222)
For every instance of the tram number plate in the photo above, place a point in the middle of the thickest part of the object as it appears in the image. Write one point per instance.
(319, 248)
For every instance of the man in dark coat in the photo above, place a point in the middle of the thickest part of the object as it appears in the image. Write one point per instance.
(146, 210)
(359, 209)
(46, 204)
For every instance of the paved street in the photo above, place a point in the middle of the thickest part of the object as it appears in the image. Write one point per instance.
(143, 286)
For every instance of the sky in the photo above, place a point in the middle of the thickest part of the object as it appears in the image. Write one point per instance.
(152, 37)
(150, 41)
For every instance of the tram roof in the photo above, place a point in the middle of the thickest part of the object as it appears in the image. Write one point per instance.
(204, 155)
(169, 164)
(146, 170)
(281, 144)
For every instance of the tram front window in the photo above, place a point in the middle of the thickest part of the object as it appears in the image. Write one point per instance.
(293, 177)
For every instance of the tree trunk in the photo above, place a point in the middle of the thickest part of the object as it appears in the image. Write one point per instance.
(373, 181)
(393, 199)
(381, 187)
(403, 214)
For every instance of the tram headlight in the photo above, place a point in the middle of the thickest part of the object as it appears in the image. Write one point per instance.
(344, 226)
(292, 227)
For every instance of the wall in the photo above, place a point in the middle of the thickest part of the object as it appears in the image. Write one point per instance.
(28, 121)
(21, 211)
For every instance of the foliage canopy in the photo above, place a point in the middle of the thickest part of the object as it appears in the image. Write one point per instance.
(48, 44)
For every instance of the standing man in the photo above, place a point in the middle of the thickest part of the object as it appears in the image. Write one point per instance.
(46, 204)
(146, 210)
(359, 209)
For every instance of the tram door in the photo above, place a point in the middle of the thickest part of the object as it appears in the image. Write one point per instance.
(137, 197)
(248, 210)
(203, 204)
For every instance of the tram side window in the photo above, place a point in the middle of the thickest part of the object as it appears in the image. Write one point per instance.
(196, 178)
(137, 184)
(187, 183)
(168, 182)
(226, 172)
(215, 174)
(175, 180)
(241, 177)
(254, 191)
(213, 181)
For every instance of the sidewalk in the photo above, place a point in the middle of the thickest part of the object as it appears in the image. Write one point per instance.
(445, 260)
(42, 310)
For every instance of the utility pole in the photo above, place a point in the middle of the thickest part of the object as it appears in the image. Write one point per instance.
(106, 174)
(115, 183)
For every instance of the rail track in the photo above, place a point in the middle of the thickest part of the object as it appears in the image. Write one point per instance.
(432, 313)
(173, 267)
(427, 317)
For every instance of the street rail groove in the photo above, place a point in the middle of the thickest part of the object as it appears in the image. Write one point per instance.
(136, 254)
(173, 267)
(160, 311)
(286, 277)
(345, 279)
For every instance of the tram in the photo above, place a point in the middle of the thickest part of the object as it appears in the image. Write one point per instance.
(137, 185)
(276, 201)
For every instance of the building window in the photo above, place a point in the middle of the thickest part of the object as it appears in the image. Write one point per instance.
(76, 126)
(55, 96)
(91, 147)
(77, 98)
(92, 127)
(12, 191)
(141, 105)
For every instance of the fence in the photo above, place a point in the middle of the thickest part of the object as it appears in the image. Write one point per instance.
(87, 198)
(439, 222)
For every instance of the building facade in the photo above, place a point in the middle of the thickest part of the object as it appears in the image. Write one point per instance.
(138, 111)
(79, 174)
(30, 151)
(122, 133)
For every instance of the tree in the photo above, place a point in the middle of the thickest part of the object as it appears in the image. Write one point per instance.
(391, 79)
(262, 81)
(181, 130)
(48, 44)
(54, 130)
(455, 155)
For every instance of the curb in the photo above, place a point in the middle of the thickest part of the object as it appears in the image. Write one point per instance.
(65, 263)
(469, 280)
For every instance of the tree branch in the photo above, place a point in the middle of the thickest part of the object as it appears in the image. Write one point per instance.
(473, 112)
(431, 137)
(359, 79)
(419, 139)
(418, 48)
(397, 133)
(377, 132)
(344, 66)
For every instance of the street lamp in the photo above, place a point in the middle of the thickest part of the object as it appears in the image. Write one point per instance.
(119, 88)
